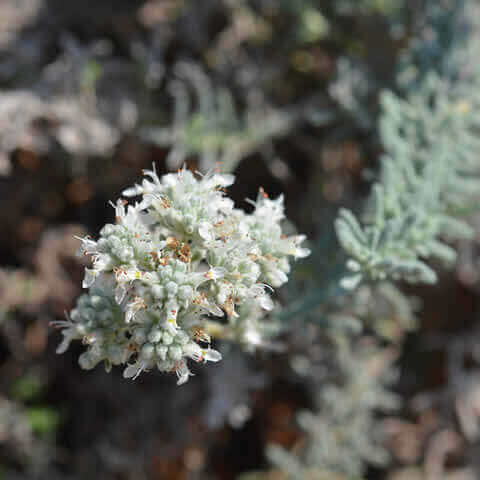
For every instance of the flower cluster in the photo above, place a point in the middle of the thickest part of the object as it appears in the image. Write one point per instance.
(177, 268)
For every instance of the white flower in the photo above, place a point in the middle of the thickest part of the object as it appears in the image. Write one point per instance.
(199, 354)
(88, 246)
(183, 373)
(89, 278)
(168, 264)
(265, 302)
(134, 370)
(70, 331)
(206, 231)
(133, 307)
(215, 273)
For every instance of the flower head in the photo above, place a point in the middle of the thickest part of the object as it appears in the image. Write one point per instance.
(172, 263)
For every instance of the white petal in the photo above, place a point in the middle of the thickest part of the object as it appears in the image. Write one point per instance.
(224, 179)
(171, 325)
(64, 344)
(277, 277)
(216, 273)
(89, 245)
(193, 351)
(300, 252)
(212, 355)
(89, 278)
(212, 308)
(183, 373)
(133, 191)
(101, 261)
(133, 371)
(205, 230)
(265, 302)
(120, 293)
(129, 313)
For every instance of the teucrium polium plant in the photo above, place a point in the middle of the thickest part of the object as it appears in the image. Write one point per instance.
(429, 175)
(173, 263)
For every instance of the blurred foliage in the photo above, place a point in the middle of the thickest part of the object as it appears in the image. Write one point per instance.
(43, 420)
(429, 170)
(28, 387)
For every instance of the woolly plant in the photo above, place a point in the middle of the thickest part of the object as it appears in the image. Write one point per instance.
(178, 267)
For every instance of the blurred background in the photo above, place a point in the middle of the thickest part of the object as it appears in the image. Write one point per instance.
(285, 94)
